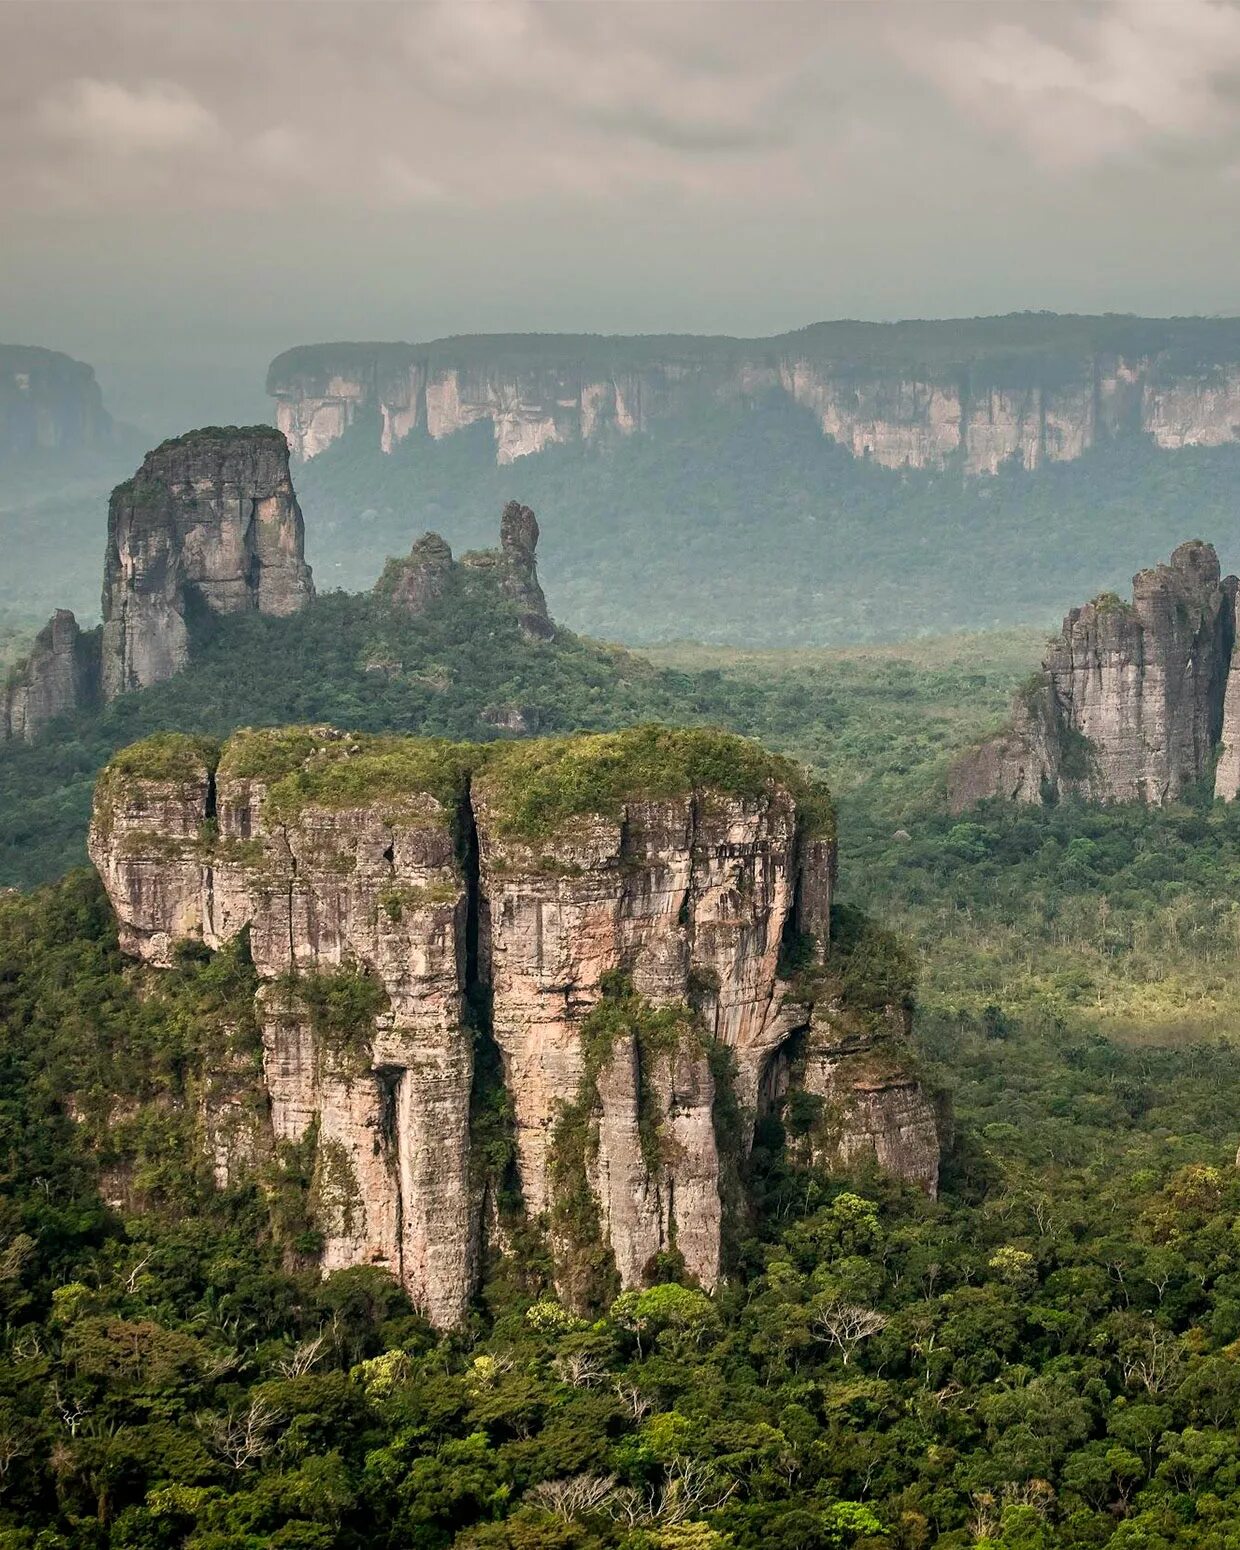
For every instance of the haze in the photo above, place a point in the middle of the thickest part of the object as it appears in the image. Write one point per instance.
(211, 183)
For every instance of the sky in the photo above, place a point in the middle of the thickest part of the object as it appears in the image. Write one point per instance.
(211, 183)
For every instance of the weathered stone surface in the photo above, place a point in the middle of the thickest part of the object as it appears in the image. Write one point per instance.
(420, 579)
(373, 890)
(415, 582)
(690, 897)
(360, 857)
(49, 401)
(976, 394)
(60, 675)
(210, 518)
(1129, 703)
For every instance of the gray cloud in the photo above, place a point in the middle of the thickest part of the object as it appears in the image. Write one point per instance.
(222, 180)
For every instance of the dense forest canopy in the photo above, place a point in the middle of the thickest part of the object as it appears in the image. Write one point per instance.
(766, 532)
(1044, 1357)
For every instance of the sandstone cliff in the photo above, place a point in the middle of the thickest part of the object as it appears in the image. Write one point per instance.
(209, 521)
(60, 674)
(49, 401)
(1129, 703)
(210, 518)
(610, 915)
(970, 393)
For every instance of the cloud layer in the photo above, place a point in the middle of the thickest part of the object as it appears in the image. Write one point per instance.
(741, 164)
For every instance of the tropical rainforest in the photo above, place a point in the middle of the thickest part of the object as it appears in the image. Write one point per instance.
(768, 533)
(1048, 1355)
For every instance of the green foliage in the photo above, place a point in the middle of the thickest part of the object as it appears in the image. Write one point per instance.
(1053, 1363)
(352, 663)
(342, 1007)
(172, 756)
(766, 532)
(360, 770)
(534, 788)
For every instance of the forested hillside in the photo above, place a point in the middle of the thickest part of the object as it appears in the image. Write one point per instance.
(745, 526)
(1041, 1359)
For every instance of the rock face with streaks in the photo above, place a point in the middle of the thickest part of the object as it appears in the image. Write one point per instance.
(209, 520)
(976, 394)
(418, 580)
(609, 915)
(1129, 703)
(60, 675)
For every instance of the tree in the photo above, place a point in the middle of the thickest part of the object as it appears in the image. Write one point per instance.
(845, 1325)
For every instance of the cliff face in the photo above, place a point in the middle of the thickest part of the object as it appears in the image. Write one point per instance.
(61, 673)
(974, 393)
(1129, 704)
(211, 516)
(49, 401)
(607, 914)
(209, 519)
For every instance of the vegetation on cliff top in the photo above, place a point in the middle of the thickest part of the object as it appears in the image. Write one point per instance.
(533, 787)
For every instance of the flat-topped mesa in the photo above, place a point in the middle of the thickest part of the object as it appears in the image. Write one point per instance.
(1129, 703)
(210, 518)
(977, 394)
(422, 577)
(620, 904)
(60, 674)
(49, 401)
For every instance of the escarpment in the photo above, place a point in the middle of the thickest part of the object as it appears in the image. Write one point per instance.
(49, 402)
(610, 922)
(209, 522)
(976, 393)
(1131, 701)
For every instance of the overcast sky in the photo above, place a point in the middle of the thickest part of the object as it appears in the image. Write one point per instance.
(217, 181)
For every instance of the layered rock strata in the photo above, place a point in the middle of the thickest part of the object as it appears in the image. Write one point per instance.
(1131, 700)
(974, 393)
(612, 911)
(211, 519)
(49, 402)
(60, 674)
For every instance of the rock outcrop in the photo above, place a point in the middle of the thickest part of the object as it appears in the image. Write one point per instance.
(518, 538)
(422, 577)
(209, 520)
(608, 914)
(49, 402)
(60, 674)
(977, 393)
(1129, 703)
(418, 580)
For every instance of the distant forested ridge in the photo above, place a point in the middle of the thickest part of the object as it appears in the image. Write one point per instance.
(741, 524)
